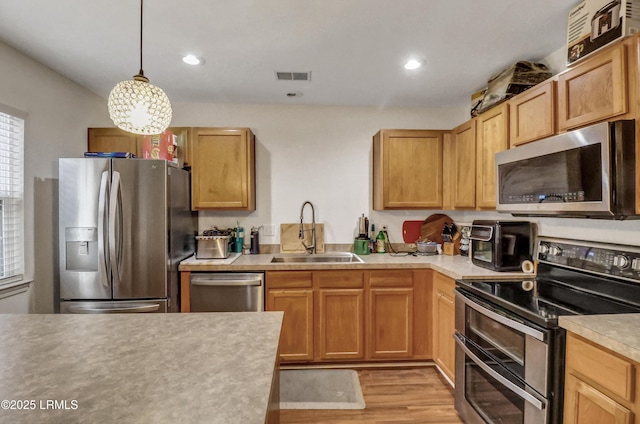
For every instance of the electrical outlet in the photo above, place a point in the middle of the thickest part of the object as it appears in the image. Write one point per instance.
(270, 230)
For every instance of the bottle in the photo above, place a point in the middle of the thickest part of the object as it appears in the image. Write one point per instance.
(239, 239)
(372, 239)
(380, 242)
(255, 241)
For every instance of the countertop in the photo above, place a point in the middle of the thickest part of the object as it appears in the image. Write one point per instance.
(615, 332)
(457, 267)
(139, 368)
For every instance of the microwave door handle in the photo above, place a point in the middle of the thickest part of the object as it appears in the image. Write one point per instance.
(487, 227)
(113, 220)
(505, 382)
(103, 263)
(538, 335)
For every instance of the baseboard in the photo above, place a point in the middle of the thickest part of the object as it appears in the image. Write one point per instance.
(362, 365)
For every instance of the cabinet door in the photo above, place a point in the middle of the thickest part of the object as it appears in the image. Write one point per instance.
(340, 324)
(407, 169)
(584, 404)
(532, 114)
(594, 90)
(223, 169)
(464, 171)
(492, 138)
(113, 140)
(444, 325)
(296, 337)
(390, 323)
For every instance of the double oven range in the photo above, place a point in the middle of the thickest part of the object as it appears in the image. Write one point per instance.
(509, 359)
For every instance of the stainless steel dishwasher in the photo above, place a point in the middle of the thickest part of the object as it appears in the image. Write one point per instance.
(227, 292)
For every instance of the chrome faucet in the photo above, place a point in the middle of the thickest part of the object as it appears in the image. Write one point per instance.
(312, 247)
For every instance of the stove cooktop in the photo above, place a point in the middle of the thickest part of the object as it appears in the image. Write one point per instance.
(544, 299)
(573, 277)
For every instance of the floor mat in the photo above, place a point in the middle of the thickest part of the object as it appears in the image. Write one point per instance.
(320, 389)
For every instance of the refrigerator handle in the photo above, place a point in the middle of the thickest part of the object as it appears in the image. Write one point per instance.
(103, 263)
(114, 239)
(116, 309)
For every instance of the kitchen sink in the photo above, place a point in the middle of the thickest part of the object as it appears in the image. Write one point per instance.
(333, 257)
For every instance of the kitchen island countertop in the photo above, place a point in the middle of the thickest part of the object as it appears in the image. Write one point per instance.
(617, 332)
(452, 266)
(135, 368)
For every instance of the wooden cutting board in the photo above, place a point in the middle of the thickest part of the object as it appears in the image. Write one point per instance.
(411, 231)
(432, 227)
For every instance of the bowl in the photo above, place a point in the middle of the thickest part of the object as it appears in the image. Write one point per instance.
(426, 246)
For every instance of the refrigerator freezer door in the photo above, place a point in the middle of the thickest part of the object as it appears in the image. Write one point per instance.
(112, 307)
(83, 194)
(140, 225)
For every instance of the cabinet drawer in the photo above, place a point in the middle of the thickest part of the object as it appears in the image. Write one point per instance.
(607, 370)
(391, 279)
(339, 279)
(444, 285)
(289, 279)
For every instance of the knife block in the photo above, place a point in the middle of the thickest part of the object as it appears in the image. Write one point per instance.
(452, 248)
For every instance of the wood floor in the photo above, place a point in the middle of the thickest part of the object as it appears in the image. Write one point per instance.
(417, 395)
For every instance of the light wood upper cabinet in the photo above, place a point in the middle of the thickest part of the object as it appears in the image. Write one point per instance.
(407, 169)
(463, 174)
(113, 140)
(444, 324)
(594, 90)
(492, 137)
(600, 385)
(223, 169)
(532, 114)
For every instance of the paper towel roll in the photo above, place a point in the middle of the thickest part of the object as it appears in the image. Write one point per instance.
(527, 267)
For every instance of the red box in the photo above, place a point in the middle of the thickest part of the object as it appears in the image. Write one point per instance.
(160, 146)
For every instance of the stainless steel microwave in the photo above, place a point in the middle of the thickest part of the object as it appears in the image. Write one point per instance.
(588, 172)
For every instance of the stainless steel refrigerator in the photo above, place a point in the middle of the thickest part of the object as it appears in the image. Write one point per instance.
(124, 226)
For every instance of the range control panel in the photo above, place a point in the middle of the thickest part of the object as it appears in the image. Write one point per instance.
(602, 258)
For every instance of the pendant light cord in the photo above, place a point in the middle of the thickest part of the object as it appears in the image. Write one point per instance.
(141, 71)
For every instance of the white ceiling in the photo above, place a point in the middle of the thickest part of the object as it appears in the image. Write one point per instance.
(355, 49)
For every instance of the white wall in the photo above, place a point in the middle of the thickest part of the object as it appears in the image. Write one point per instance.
(320, 154)
(58, 114)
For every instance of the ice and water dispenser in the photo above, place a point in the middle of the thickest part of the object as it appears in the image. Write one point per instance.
(81, 249)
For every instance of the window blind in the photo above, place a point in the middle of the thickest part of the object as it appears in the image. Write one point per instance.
(11, 197)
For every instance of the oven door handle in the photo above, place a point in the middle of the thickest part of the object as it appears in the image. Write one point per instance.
(538, 335)
(533, 400)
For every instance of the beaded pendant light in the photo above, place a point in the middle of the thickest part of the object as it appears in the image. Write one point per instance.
(137, 106)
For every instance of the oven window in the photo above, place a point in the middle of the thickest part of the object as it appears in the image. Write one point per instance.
(493, 402)
(504, 343)
(482, 251)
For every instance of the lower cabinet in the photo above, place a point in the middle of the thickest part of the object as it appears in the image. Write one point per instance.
(444, 324)
(599, 385)
(390, 317)
(352, 315)
(291, 292)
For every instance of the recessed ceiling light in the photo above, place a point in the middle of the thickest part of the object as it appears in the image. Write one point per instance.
(192, 60)
(412, 64)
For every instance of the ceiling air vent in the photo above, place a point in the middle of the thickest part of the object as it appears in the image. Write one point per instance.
(293, 76)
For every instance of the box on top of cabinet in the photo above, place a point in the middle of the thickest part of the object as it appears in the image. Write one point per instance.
(595, 23)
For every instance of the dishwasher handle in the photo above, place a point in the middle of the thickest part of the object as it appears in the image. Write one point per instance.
(213, 280)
